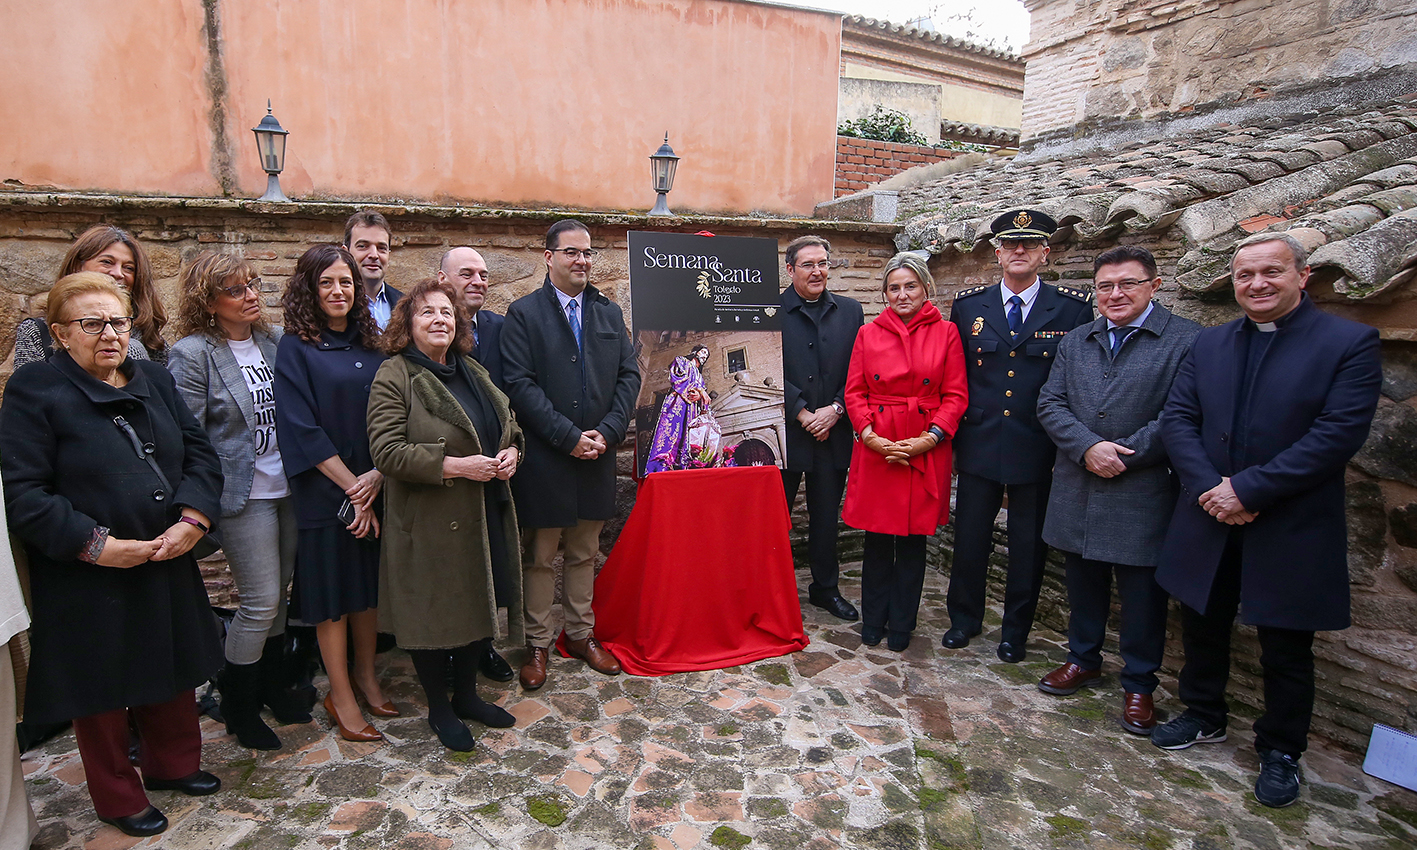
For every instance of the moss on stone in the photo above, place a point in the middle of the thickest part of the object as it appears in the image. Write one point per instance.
(309, 812)
(897, 800)
(1184, 776)
(773, 673)
(547, 809)
(1389, 805)
(489, 810)
(727, 729)
(931, 798)
(727, 836)
(1062, 826)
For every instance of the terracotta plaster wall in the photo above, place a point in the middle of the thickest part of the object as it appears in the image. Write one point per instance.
(105, 96)
(510, 102)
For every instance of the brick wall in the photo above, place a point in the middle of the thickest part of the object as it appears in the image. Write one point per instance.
(861, 163)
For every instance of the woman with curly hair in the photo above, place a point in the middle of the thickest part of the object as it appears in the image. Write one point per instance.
(112, 251)
(223, 368)
(325, 364)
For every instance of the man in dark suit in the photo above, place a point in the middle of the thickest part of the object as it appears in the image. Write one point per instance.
(818, 331)
(571, 374)
(1112, 491)
(368, 237)
(1265, 413)
(465, 269)
(1011, 332)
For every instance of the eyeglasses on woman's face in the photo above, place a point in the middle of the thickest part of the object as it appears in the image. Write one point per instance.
(94, 326)
(240, 289)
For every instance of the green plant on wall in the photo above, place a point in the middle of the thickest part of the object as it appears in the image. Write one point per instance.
(884, 125)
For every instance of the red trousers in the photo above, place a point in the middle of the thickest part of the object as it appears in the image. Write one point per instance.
(170, 747)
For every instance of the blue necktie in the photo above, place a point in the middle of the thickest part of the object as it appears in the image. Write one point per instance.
(574, 316)
(1015, 315)
(1119, 336)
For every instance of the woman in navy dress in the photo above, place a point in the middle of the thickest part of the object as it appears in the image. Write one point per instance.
(324, 366)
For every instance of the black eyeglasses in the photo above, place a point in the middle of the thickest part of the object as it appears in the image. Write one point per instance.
(94, 326)
(572, 253)
(1025, 244)
(239, 290)
(1126, 286)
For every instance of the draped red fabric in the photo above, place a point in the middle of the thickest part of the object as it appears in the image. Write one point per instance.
(701, 578)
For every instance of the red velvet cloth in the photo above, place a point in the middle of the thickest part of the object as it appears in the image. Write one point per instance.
(701, 578)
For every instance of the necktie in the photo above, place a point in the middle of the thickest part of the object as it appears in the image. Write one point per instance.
(1119, 336)
(475, 342)
(1015, 315)
(574, 316)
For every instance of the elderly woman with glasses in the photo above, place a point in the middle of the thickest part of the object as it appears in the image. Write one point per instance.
(224, 367)
(110, 482)
(905, 393)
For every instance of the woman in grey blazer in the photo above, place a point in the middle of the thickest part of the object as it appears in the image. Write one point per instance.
(224, 366)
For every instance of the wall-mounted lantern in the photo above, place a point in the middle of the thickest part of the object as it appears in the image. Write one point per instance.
(270, 144)
(662, 164)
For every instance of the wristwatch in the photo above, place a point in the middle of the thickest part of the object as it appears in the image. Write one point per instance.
(840, 411)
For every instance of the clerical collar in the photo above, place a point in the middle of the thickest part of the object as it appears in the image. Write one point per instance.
(816, 300)
(1266, 327)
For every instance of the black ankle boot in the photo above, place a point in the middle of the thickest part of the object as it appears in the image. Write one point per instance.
(285, 703)
(241, 707)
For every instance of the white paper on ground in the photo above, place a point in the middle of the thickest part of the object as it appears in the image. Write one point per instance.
(1392, 755)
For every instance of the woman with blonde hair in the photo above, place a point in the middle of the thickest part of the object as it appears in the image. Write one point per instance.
(224, 368)
(110, 483)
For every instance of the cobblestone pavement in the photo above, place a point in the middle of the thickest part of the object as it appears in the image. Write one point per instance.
(836, 746)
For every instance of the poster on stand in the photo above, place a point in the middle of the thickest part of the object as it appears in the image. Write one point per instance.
(704, 314)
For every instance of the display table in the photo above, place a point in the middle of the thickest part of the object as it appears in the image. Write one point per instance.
(701, 578)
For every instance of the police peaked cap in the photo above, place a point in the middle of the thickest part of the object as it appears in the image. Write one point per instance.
(1023, 224)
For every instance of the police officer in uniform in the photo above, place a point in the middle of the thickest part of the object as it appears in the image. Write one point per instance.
(1011, 332)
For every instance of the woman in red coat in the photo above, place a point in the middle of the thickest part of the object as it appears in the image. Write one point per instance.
(905, 393)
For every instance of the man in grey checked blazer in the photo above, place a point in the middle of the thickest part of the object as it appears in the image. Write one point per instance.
(1113, 491)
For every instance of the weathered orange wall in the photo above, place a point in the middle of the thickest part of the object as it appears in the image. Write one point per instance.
(518, 102)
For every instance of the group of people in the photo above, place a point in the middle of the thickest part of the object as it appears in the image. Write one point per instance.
(1201, 464)
(413, 461)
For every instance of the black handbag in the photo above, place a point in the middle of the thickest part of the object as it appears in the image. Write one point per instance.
(209, 542)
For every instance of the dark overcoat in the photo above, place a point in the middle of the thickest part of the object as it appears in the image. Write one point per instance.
(488, 351)
(1310, 410)
(322, 399)
(816, 358)
(435, 581)
(215, 390)
(1090, 396)
(558, 393)
(104, 638)
(1000, 437)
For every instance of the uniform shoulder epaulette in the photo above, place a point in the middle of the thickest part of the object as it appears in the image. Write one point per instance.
(1075, 292)
(971, 290)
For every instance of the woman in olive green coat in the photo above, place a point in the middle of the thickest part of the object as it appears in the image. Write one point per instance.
(444, 438)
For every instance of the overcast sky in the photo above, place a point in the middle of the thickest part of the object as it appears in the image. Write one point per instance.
(1000, 20)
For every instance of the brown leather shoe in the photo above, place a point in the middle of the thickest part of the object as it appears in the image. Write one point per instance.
(1068, 679)
(1138, 716)
(597, 657)
(533, 673)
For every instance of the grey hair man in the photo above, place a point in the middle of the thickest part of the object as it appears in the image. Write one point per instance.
(466, 270)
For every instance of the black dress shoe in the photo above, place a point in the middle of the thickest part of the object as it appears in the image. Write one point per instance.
(871, 635)
(494, 666)
(149, 821)
(1011, 652)
(956, 639)
(453, 734)
(198, 784)
(898, 641)
(832, 602)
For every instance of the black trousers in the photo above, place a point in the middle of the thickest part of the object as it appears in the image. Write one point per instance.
(892, 578)
(825, 485)
(1142, 636)
(1286, 658)
(977, 502)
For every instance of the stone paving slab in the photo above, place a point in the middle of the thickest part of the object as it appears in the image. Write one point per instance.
(836, 746)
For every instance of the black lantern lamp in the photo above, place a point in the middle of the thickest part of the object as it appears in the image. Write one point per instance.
(662, 164)
(270, 144)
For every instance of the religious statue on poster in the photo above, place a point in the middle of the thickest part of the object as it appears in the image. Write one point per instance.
(686, 435)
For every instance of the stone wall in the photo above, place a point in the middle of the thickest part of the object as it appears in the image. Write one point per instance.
(862, 163)
(1101, 61)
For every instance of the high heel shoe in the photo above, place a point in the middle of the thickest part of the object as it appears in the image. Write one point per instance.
(368, 733)
(386, 710)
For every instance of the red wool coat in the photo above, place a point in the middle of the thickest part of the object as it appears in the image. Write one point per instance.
(903, 379)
